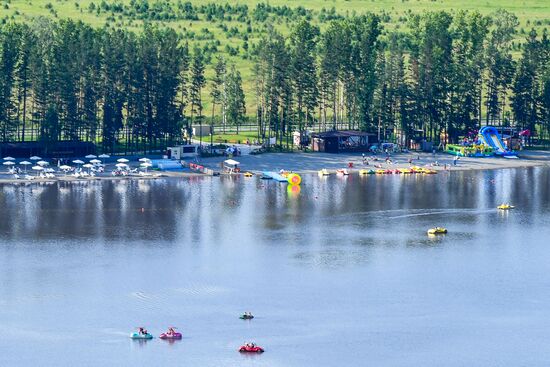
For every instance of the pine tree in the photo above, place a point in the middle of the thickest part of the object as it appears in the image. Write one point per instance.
(198, 82)
(9, 45)
(500, 65)
(303, 41)
(527, 84)
(365, 31)
(216, 93)
(235, 100)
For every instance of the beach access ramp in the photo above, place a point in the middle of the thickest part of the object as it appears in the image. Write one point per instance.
(275, 176)
(489, 136)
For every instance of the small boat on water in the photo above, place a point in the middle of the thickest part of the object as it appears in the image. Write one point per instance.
(248, 174)
(141, 334)
(363, 172)
(342, 172)
(437, 230)
(171, 334)
(324, 172)
(380, 171)
(251, 348)
(505, 207)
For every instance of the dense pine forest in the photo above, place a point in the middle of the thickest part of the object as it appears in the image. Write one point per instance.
(444, 74)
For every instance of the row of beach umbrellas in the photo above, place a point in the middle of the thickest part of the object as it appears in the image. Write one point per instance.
(40, 164)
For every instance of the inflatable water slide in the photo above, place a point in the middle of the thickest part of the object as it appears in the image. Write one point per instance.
(489, 136)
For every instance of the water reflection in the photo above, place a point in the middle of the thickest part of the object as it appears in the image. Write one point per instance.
(338, 258)
(206, 207)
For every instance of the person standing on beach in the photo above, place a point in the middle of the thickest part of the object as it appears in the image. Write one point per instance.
(455, 160)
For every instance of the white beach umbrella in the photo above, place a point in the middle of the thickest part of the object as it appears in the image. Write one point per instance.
(35, 158)
(42, 163)
(146, 165)
(121, 165)
(65, 168)
(122, 160)
(37, 169)
(78, 161)
(90, 156)
(87, 165)
(104, 156)
(25, 163)
(8, 163)
(9, 158)
(144, 160)
(95, 161)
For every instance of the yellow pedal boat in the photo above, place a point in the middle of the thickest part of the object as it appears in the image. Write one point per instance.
(505, 206)
(248, 174)
(324, 172)
(437, 230)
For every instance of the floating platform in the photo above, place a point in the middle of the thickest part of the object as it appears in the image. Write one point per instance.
(275, 176)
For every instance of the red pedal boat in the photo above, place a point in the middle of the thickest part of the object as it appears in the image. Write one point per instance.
(170, 334)
(251, 348)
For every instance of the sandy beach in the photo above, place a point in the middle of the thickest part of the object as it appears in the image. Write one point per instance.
(313, 162)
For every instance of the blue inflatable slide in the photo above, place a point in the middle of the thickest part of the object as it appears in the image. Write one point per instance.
(489, 136)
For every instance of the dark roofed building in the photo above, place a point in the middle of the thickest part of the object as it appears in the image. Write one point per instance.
(342, 141)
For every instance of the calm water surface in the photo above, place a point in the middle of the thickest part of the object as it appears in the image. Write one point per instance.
(339, 274)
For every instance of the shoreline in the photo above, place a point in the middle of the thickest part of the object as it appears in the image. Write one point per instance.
(311, 163)
(306, 163)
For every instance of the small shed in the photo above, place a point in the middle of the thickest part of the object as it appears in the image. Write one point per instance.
(342, 141)
(183, 151)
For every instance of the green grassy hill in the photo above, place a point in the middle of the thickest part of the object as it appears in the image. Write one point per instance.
(235, 30)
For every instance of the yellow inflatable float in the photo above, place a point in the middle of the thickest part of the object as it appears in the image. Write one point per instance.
(294, 179)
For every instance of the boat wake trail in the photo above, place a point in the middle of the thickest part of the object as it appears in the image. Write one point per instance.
(447, 212)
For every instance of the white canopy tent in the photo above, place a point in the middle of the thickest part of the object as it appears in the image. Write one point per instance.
(231, 165)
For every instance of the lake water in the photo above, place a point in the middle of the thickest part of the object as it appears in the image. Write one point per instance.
(341, 273)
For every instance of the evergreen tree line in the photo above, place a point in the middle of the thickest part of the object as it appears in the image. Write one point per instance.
(68, 81)
(444, 77)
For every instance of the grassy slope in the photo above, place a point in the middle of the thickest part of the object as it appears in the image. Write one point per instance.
(530, 12)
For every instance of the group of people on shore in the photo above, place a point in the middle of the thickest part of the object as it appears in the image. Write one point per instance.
(366, 160)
